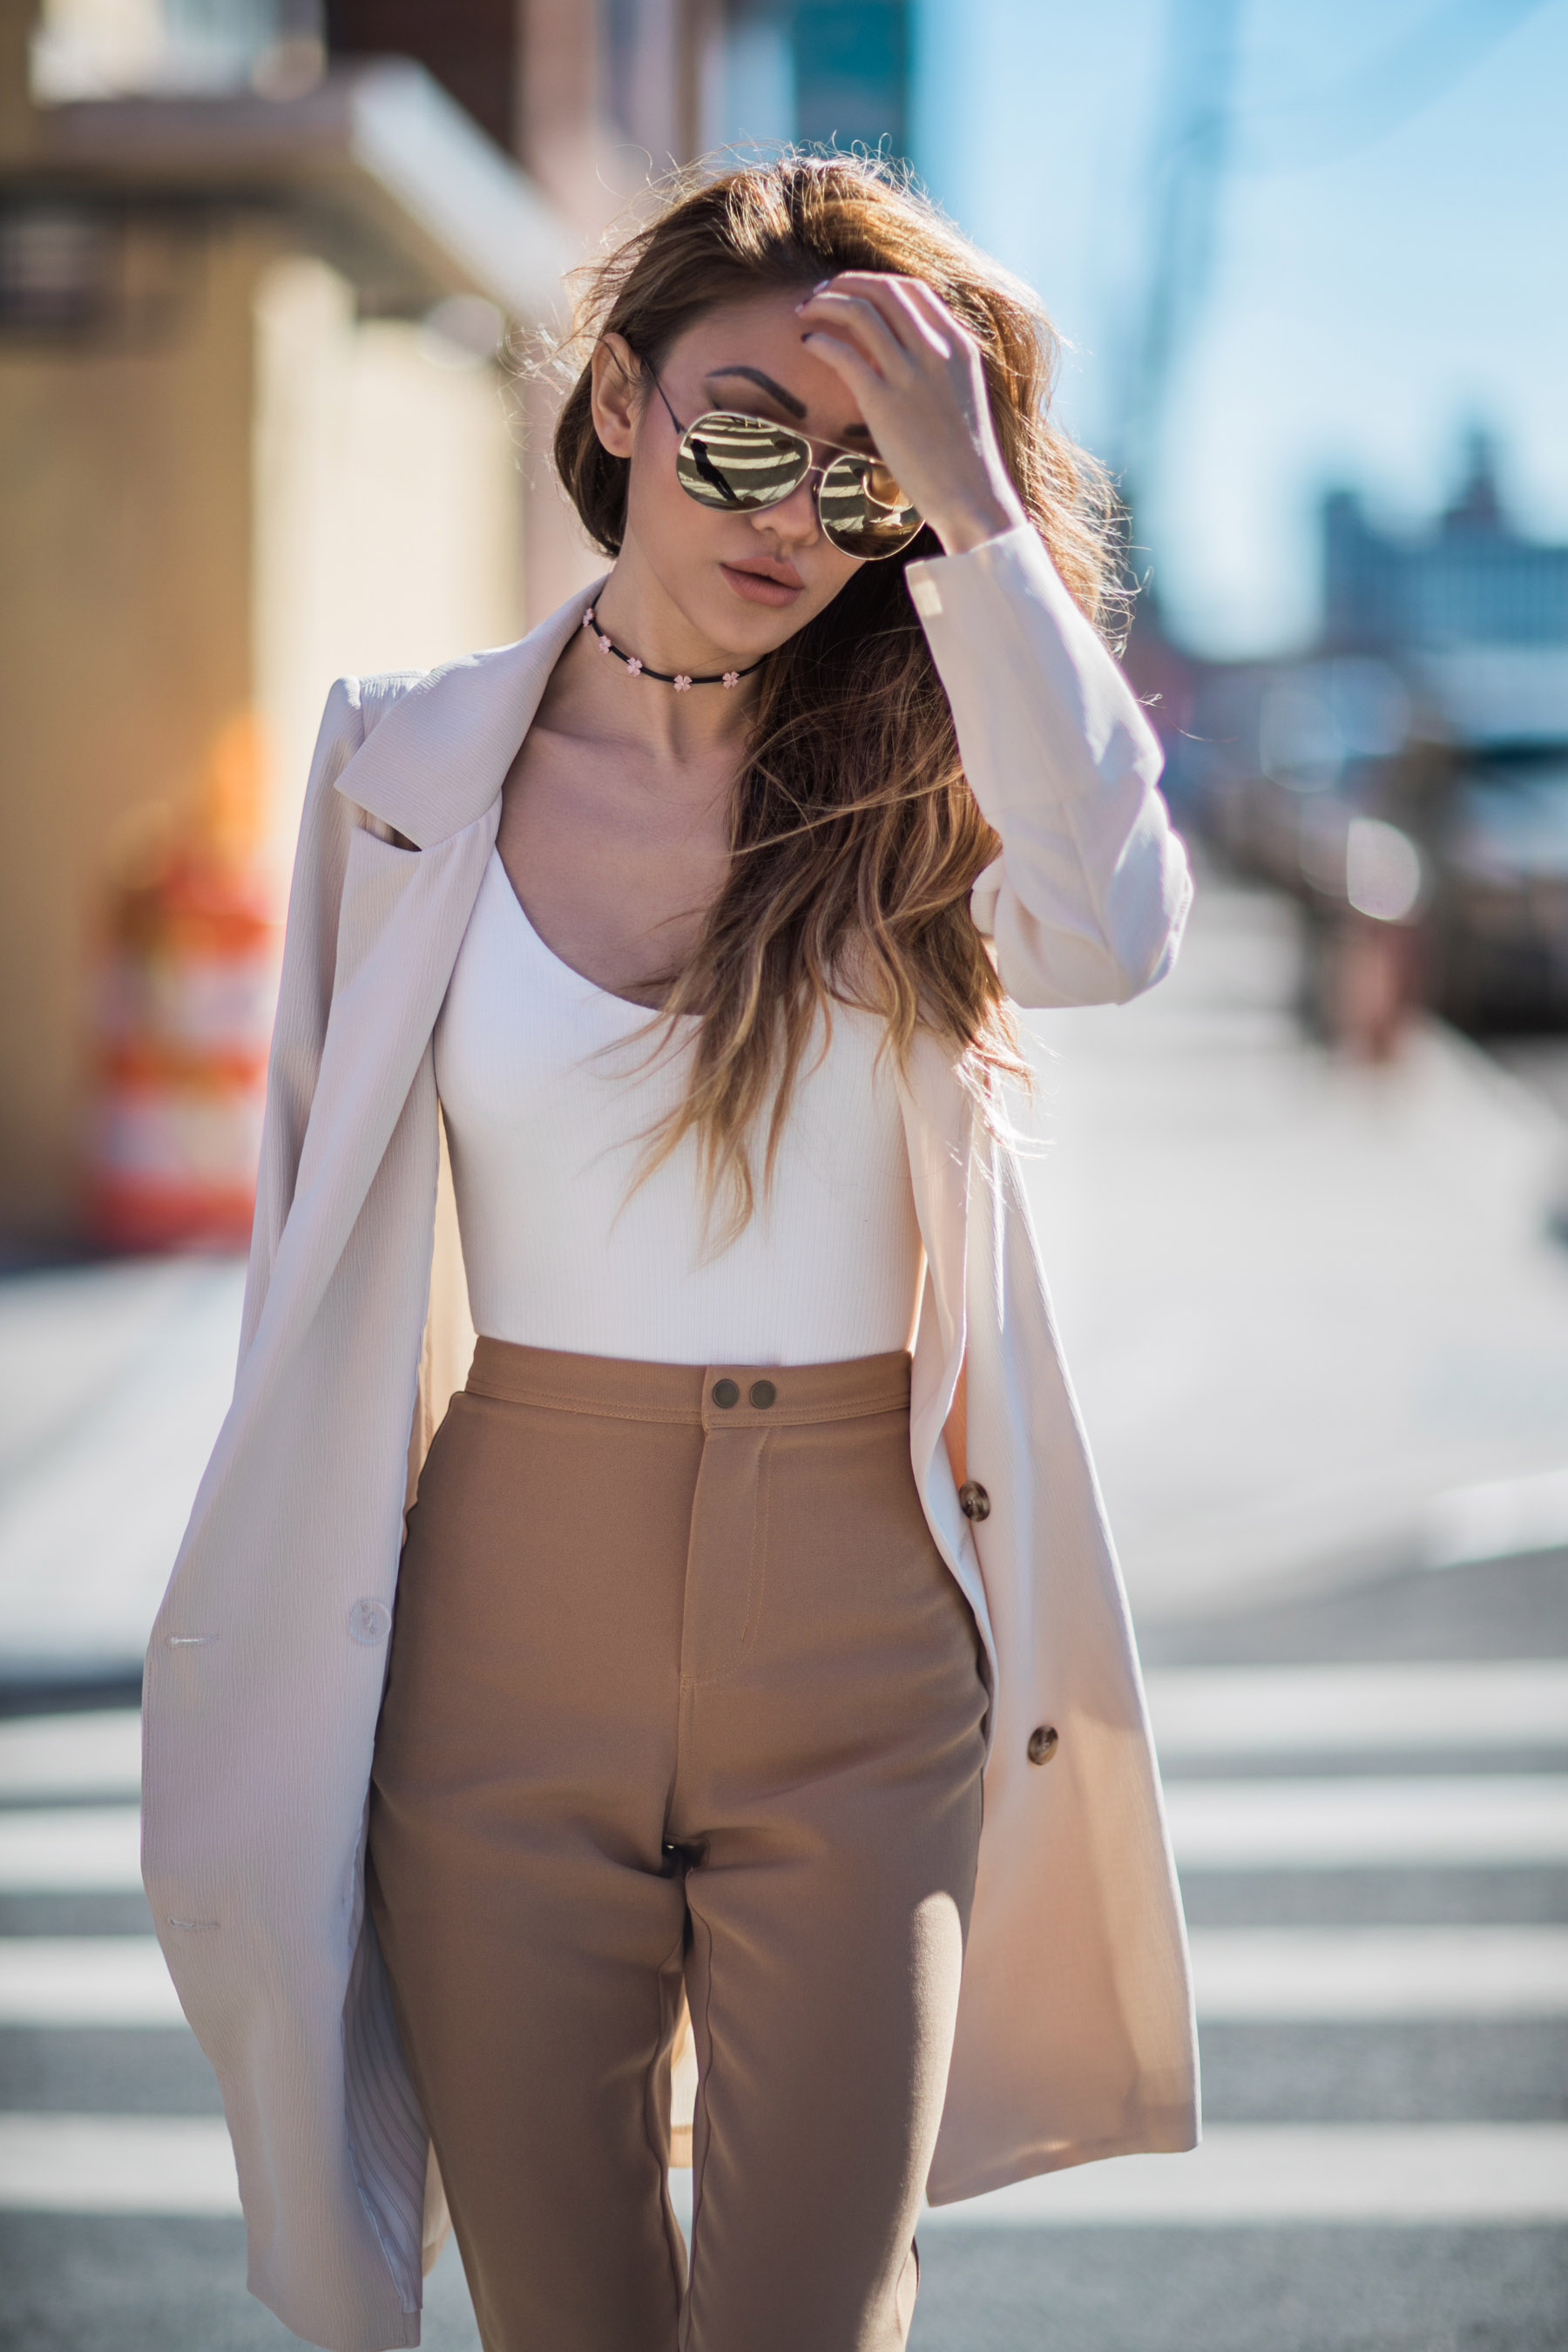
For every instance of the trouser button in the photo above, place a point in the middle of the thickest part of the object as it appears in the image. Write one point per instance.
(726, 1393)
(762, 1394)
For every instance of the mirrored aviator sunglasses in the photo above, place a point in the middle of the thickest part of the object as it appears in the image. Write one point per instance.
(744, 464)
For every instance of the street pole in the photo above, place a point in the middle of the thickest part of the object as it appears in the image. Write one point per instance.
(1188, 158)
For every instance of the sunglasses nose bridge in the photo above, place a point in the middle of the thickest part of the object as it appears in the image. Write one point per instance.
(811, 475)
(777, 515)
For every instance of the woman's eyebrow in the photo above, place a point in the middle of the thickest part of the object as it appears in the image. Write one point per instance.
(786, 399)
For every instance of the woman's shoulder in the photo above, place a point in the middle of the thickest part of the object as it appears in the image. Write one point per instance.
(354, 705)
(376, 695)
(458, 690)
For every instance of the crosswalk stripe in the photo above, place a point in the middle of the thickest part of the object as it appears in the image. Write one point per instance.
(1496, 2174)
(1330, 1824)
(1314, 1711)
(1456, 2174)
(1336, 1974)
(1345, 1974)
(54, 1849)
(97, 1754)
(1209, 1711)
(85, 1980)
(1288, 1824)
(116, 2164)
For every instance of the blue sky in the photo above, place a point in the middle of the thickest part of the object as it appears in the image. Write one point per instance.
(1364, 306)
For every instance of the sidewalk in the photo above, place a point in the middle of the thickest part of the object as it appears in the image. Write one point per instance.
(113, 1382)
(1315, 1315)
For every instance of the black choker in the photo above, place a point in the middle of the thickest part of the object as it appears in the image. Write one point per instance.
(678, 678)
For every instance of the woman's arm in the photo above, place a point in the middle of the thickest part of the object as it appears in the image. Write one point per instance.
(1086, 904)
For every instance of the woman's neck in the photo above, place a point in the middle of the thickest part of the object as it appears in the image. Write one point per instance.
(593, 693)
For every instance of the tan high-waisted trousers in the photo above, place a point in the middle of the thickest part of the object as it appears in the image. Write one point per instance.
(679, 1690)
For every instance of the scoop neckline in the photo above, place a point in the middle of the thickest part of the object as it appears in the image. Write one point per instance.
(590, 987)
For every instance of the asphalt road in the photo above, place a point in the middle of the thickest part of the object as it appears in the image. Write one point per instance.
(1292, 2282)
(1386, 2098)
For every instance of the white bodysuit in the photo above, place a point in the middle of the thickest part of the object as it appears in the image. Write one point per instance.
(548, 1090)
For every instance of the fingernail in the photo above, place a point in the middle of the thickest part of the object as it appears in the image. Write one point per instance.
(820, 284)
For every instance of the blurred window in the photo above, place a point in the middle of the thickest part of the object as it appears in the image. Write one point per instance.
(56, 264)
(1512, 819)
(116, 49)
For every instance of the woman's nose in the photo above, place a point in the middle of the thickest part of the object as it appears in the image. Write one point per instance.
(795, 519)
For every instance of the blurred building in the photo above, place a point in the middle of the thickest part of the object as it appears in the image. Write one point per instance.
(1472, 579)
(262, 263)
(1455, 633)
(1436, 704)
(252, 433)
(829, 71)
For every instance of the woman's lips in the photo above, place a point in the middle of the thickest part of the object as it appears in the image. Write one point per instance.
(760, 587)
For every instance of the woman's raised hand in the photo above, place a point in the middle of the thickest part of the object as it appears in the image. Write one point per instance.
(916, 375)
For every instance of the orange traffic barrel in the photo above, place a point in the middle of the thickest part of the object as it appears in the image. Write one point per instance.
(187, 985)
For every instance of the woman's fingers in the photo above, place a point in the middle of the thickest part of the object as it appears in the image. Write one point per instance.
(917, 313)
(855, 315)
(918, 378)
(916, 332)
(939, 319)
(845, 361)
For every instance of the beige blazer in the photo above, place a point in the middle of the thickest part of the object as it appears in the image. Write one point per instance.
(264, 1677)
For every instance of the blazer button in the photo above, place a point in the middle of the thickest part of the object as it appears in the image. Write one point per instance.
(725, 1395)
(369, 1622)
(973, 1501)
(1043, 1743)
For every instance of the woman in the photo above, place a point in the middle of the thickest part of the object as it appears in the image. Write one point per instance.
(699, 911)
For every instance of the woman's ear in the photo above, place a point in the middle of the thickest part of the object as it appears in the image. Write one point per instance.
(614, 385)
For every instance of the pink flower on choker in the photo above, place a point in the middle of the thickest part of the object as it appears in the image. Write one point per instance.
(588, 618)
(634, 666)
(730, 678)
(681, 683)
(605, 646)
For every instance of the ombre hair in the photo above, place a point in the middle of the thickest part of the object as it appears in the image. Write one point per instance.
(855, 839)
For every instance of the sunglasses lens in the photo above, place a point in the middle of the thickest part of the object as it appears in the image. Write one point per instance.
(739, 463)
(863, 509)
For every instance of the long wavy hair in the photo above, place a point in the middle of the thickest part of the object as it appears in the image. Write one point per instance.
(855, 839)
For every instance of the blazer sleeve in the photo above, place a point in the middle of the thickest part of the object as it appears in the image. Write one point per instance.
(305, 988)
(1087, 901)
